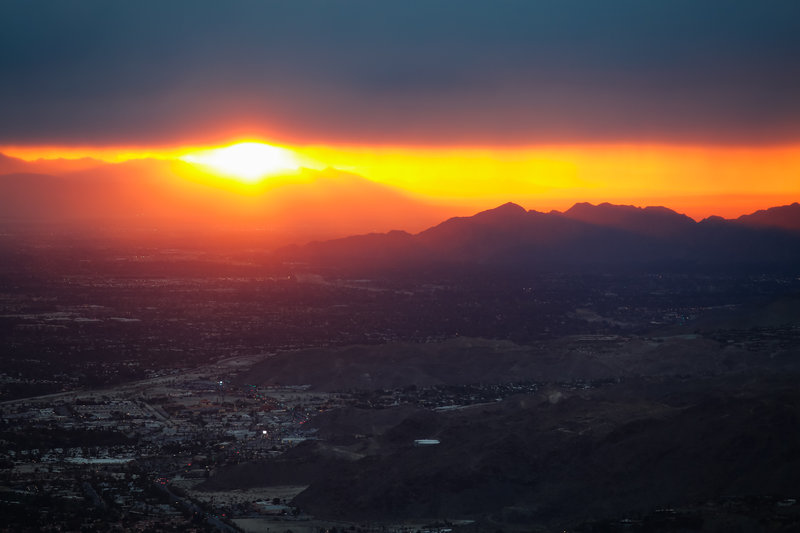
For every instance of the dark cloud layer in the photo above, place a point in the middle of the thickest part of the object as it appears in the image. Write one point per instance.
(400, 72)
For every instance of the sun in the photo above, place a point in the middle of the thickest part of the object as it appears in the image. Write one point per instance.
(249, 162)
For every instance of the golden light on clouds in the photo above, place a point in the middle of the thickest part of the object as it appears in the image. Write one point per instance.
(554, 177)
(697, 180)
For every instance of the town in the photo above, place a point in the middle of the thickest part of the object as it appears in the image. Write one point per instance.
(135, 451)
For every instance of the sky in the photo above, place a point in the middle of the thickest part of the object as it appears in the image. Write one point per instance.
(536, 101)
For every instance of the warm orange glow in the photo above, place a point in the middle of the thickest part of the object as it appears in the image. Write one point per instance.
(108, 154)
(566, 171)
(700, 180)
(696, 180)
(249, 162)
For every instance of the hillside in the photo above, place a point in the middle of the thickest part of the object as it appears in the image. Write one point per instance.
(786, 217)
(465, 361)
(548, 460)
(559, 459)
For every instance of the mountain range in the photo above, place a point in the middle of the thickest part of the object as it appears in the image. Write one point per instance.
(583, 235)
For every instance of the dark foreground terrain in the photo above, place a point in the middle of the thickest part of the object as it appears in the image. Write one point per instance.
(561, 457)
(582, 454)
(183, 387)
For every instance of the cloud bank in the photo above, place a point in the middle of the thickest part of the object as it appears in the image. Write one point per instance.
(411, 72)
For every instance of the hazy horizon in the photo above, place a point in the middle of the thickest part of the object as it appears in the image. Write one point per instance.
(172, 187)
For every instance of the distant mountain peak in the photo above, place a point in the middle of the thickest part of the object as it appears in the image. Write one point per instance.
(784, 217)
(650, 220)
(506, 208)
(506, 213)
(579, 206)
(661, 209)
(713, 219)
(586, 207)
(10, 164)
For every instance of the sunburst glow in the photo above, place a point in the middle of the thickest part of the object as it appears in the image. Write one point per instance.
(249, 162)
(697, 180)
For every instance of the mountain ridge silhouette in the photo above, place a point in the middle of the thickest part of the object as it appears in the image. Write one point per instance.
(584, 234)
